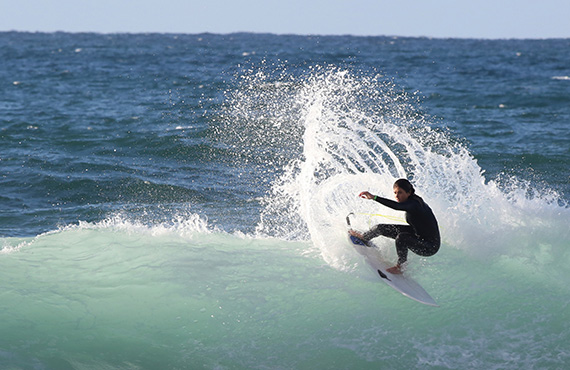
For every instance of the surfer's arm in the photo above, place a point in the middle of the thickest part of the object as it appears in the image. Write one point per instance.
(386, 202)
(404, 206)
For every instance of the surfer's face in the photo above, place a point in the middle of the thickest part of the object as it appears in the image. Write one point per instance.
(400, 194)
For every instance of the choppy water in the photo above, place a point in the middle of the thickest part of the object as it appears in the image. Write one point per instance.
(178, 201)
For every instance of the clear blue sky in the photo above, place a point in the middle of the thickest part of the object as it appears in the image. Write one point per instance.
(433, 18)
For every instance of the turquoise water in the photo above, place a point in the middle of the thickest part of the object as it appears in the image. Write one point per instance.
(123, 296)
(178, 201)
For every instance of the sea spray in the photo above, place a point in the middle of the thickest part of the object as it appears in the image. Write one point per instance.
(333, 132)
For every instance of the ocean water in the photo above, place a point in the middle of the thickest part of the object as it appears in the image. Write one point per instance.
(178, 201)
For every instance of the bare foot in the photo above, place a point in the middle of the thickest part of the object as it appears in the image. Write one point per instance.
(355, 233)
(396, 270)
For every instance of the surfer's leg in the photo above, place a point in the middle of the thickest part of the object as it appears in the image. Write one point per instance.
(424, 248)
(390, 231)
(402, 242)
(406, 241)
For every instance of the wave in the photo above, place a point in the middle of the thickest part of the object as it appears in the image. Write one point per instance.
(331, 132)
(124, 294)
(269, 280)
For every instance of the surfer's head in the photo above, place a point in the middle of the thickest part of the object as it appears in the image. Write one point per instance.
(403, 189)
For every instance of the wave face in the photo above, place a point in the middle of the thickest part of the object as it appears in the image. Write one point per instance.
(179, 201)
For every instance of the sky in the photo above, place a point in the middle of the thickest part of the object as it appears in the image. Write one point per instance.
(489, 19)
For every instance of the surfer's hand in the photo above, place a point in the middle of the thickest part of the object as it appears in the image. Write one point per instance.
(366, 195)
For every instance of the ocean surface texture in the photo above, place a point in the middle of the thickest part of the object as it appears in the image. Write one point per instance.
(179, 201)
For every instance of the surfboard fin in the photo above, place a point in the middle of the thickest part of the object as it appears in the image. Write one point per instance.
(383, 275)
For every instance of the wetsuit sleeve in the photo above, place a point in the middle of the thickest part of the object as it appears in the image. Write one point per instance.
(405, 206)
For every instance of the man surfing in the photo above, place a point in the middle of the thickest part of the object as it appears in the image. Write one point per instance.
(421, 235)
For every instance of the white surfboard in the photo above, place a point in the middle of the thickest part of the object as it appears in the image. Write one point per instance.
(401, 282)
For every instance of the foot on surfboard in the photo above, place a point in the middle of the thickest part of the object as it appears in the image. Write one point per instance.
(396, 270)
(356, 234)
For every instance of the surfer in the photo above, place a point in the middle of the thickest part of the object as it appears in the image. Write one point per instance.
(421, 236)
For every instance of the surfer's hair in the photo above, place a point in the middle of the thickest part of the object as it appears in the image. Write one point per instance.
(407, 186)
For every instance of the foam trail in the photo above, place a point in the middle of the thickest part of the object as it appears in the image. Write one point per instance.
(185, 225)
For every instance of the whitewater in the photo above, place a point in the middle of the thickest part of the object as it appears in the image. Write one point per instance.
(265, 278)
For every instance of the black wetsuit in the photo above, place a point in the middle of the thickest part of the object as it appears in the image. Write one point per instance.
(421, 236)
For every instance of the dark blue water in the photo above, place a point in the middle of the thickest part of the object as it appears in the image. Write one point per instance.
(145, 173)
(95, 123)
